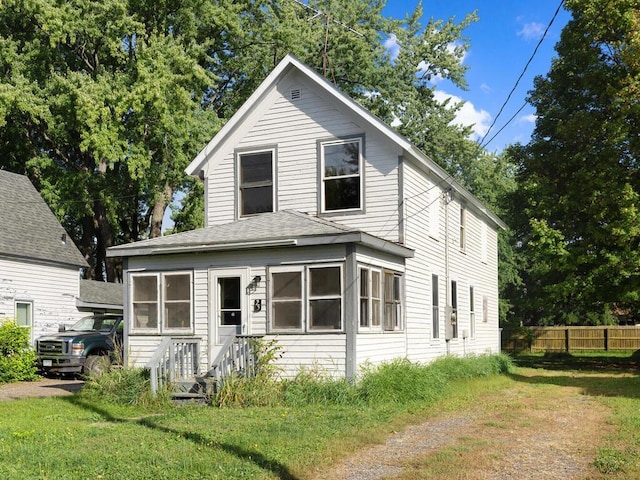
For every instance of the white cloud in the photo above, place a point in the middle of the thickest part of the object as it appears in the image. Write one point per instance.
(531, 118)
(392, 45)
(467, 115)
(532, 31)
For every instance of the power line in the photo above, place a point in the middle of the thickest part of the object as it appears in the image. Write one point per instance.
(483, 145)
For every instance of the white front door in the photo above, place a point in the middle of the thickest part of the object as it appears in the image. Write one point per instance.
(229, 303)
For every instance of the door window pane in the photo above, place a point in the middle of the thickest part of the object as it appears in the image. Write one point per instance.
(229, 290)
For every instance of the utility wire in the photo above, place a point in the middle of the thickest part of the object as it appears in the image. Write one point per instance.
(481, 142)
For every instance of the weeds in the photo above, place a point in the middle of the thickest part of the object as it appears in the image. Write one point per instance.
(129, 386)
(610, 460)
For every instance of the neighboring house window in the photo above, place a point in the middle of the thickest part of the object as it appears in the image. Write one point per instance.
(256, 182)
(321, 300)
(454, 309)
(435, 307)
(472, 313)
(341, 173)
(24, 314)
(463, 227)
(162, 302)
(392, 303)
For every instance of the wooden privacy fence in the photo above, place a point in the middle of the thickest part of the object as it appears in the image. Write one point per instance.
(568, 339)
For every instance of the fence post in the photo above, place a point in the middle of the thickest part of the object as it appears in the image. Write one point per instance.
(606, 339)
(567, 340)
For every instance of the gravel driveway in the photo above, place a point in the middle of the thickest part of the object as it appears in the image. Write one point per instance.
(45, 387)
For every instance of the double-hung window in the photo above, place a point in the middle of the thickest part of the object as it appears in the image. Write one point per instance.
(255, 180)
(341, 175)
(435, 307)
(380, 300)
(472, 312)
(306, 298)
(162, 302)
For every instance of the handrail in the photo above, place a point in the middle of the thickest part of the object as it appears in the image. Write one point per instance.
(175, 358)
(237, 355)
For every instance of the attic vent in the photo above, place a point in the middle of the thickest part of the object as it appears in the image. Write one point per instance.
(295, 94)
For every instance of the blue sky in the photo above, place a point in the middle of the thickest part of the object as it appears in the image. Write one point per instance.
(502, 41)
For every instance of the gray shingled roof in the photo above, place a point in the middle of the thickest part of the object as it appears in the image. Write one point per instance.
(281, 228)
(28, 228)
(96, 293)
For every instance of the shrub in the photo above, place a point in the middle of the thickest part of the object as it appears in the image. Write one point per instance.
(129, 386)
(17, 358)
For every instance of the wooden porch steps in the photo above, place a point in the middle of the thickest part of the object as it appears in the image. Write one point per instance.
(196, 389)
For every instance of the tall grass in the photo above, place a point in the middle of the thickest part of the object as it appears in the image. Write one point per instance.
(128, 386)
(399, 382)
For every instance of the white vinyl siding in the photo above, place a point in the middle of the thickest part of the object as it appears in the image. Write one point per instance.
(51, 290)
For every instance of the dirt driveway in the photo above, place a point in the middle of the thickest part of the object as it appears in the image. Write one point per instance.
(530, 431)
(45, 387)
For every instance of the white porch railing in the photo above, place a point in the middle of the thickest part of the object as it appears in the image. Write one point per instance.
(176, 358)
(237, 355)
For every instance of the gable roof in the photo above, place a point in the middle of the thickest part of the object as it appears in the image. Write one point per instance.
(29, 229)
(290, 63)
(277, 229)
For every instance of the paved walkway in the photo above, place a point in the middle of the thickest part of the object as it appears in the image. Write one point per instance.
(45, 387)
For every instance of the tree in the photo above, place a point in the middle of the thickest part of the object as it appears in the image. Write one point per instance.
(104, 103)
(576, 211)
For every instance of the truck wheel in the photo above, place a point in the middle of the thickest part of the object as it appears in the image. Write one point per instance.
(96, 365)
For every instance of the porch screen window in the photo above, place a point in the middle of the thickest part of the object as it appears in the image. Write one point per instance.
(306, 298)
(325, 298)
(380, 300)
(145, 302)
(341, 163)
(286, 300)
(256, 182)
(392, 311)
(162, 302)
(177, 301)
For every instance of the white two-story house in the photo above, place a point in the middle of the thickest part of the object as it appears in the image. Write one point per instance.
(327, 231)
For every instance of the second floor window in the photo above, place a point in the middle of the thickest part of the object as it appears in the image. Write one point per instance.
(341, 169)
(256, 182)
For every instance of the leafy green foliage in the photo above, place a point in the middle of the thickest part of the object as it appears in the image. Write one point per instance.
(17, 358)
(575, 214)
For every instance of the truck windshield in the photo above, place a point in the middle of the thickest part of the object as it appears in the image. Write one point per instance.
(102, 324)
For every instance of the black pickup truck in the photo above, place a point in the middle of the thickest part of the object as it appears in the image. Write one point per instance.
(88, 347)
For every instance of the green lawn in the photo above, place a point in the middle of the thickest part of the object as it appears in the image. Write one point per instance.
(76, 438)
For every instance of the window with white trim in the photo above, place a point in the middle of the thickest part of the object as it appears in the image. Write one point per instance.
(255, 181)
(162, 302)
(341, 175)
(472, 312)
(306, 299)
(463, 229)
(380, 300)
(454, 309)
(485, 309)
(24, 313)
(435, 307)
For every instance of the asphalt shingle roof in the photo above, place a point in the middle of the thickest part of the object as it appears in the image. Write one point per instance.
(28, 228)
(267, 228)
(102, 293)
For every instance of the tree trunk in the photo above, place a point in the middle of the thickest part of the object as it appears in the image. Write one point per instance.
(159, 208)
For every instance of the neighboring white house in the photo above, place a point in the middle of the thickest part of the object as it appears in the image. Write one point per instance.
(39, 263)
(326, 230)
